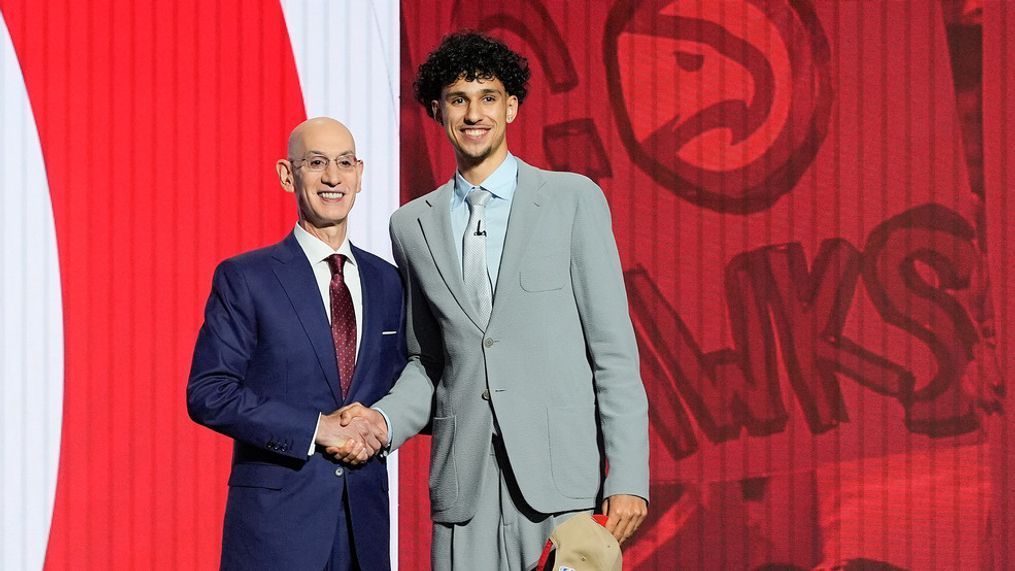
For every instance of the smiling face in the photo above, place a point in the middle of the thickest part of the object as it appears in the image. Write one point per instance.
(324, 198)
(475, 115)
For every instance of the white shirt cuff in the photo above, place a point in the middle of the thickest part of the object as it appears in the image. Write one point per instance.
(313, 441)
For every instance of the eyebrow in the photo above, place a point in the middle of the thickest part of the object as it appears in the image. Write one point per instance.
(486, 91)
(323, 154)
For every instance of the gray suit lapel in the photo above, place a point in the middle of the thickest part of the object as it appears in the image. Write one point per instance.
(525, 213)
(436, 225)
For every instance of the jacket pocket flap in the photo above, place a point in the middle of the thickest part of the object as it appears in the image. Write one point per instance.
(544, 273)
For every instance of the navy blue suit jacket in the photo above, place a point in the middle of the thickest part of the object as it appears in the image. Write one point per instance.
(264, 368)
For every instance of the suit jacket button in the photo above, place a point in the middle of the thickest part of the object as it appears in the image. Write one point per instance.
(339, 471)
(488, 342)
(486, 394)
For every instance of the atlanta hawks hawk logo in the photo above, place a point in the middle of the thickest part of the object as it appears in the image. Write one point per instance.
(724, 103)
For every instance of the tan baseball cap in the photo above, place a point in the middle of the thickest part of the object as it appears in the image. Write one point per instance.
(582, 544)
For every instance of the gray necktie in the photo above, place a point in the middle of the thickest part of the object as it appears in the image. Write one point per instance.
(474, 270)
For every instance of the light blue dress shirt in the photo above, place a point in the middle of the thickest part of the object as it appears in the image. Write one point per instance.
(502, 184)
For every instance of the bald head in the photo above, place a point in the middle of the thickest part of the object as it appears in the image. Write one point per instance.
(323, 172)
(311, 134)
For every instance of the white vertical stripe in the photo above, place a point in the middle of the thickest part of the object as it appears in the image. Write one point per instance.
(31, 329)
(347, 58)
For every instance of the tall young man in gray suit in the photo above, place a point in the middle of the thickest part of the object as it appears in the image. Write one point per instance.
(522, 352)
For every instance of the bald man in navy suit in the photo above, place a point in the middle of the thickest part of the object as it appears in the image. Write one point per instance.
(292, 332)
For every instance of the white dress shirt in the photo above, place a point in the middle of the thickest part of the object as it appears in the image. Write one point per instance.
(317, 253)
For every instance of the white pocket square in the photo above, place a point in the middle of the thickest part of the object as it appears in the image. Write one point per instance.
(389, 332)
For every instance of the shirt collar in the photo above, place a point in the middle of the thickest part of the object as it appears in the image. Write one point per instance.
(501, 182)
(316, 250)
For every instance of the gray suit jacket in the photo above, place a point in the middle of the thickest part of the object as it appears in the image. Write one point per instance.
(558, 360)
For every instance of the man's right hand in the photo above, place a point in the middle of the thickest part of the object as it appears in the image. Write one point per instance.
(350, 442)
(356, 415)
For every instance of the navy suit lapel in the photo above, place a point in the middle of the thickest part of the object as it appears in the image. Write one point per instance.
(300, 285)
(370, 283)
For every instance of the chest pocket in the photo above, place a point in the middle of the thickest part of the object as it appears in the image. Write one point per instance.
(544, 272)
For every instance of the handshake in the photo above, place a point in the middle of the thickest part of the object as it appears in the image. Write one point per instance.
(353, 433)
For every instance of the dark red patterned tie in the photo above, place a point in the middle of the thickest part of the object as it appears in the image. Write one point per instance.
(343, 323)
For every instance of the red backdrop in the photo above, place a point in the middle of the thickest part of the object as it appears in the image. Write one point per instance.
(804, 194)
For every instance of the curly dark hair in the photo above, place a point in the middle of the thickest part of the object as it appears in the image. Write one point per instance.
(473, 56)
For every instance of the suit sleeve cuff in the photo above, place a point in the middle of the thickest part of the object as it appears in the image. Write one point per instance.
(387, 422)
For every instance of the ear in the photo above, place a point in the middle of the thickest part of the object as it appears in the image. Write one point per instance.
(359, 176)
(512, 108)
(435, 109)
(285, 175)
